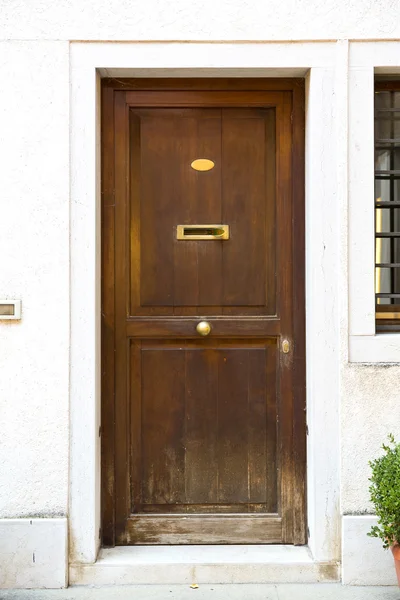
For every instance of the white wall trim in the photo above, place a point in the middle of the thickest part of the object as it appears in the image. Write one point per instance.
(364, 561)
(33, 553)
(88, 62)
(366, 59)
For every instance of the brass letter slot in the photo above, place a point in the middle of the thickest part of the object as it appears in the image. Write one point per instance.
(10, 310)
(202, 232)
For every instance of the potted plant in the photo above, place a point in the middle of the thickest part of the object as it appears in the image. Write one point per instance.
(385, 496)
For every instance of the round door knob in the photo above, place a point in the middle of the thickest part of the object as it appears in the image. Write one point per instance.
(203, 328)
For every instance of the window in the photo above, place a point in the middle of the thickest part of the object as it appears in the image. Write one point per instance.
(387, 206)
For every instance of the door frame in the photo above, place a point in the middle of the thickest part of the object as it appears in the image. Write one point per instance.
(296, 89)
(324, 67)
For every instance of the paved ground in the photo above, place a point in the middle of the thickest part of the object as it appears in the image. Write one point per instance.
(325, 591)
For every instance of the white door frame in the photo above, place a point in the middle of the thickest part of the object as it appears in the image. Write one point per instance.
(325, 67)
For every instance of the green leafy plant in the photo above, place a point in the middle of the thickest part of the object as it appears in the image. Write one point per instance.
(385, 493)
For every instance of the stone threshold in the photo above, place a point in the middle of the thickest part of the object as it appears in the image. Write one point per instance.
(203, 564)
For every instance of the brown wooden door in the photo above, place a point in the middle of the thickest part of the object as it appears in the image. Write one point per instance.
(203, 436)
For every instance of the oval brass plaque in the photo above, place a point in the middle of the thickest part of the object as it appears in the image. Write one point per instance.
(202, 164)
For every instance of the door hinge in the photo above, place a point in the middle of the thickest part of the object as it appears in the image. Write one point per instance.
(308, 532)
(99, 533)
(100, 431)
(307, 429)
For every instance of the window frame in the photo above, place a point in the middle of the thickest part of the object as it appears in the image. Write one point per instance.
(367, 60)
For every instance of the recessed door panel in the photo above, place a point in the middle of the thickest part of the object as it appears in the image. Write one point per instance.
(208, 426)
(179, 275)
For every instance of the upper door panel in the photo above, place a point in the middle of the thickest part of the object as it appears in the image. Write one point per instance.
(170, 276)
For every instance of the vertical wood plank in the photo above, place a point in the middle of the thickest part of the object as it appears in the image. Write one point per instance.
(134, 211)
(135, 393)
(299, 320)
(198, 264)
(257, 427)
(159, 171)
(243, 185)
(201, 462)
(285, 290)
(108, 319)
(163, 426)
(232, 426)
(272, 366)
(270, 210)
(209, 210)
(185, 266)
(122, 499)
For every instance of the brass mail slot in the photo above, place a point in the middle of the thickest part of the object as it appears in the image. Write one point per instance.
(202, 232)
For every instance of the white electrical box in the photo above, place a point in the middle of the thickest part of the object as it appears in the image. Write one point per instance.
(10, 310)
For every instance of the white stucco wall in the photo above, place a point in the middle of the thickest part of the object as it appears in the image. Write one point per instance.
(206, 20)
(34, 266)
(34, 220)
(370, 410)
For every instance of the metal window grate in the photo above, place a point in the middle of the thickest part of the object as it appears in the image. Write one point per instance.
(387, 209)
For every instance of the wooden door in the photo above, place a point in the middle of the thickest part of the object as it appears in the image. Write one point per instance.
(203, 435)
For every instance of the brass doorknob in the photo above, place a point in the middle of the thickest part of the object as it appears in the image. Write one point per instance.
(203, 328)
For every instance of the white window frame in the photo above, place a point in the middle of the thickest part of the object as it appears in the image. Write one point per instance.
(366, 59)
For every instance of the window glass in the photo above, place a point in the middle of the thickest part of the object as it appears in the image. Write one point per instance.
(387, 208)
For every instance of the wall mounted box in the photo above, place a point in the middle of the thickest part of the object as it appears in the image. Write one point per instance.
(10, 310)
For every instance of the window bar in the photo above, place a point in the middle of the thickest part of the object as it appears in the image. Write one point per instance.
(388, 234)
(387, 174)
(381, 316)
(378, 243)
(391, 154)
(388, 295)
